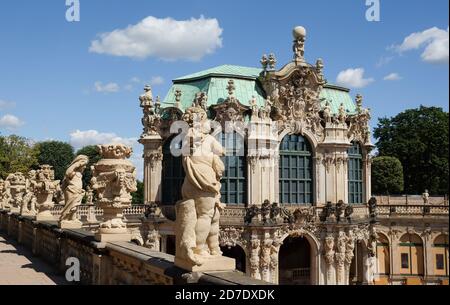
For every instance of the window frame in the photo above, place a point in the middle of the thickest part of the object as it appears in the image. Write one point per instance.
(298, 189)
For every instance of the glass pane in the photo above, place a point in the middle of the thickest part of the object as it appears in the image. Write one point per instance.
(405, 260)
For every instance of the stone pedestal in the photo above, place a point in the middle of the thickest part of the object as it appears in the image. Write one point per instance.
(67, 224)
(212, 263)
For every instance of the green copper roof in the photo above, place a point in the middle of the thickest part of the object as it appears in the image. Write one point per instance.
(214, 83)
(224, 71)
(337, 96)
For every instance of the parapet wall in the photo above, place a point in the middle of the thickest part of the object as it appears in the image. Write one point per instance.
(106, 263)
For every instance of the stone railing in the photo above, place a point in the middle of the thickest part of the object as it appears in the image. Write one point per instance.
(106, 263)
(412, 210)
(411, 200)
(87, 210)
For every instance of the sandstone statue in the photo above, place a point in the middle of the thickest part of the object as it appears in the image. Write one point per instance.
(45, 189)
(198, 213)
(5, 195)
(72, 187)
(28, 206)
(17, 185)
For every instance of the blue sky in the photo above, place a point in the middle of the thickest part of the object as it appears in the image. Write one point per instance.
(53, 82)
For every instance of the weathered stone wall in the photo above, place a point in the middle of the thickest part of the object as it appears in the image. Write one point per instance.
(106, 263)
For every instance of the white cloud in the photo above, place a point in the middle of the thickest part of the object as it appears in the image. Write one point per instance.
(6, 104)
(106, 88)
(10, 121)
(156, 81)
(433, 40)
(80, 139)
(353, 78)
(384, 60)
(167, 39)
(392, 77)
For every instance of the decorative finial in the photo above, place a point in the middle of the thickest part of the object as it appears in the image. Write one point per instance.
(231, 87)
(146, 99)
(299, 34)
(272, 61)
(177, 98)
(157, 104)
(359, 101)
(264, 62)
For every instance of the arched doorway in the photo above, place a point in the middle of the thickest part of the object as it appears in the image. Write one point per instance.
(295, 262)
(238, 254)
(411, 255)
(356, 276)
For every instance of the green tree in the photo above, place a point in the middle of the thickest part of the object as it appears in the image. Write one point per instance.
(419, 139)
(57, 154)
(387, 176)
(17, 154)
(94, 156)
(138, 196)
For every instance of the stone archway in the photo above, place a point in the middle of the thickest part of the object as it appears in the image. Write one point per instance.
(296, 265)
(238, 253)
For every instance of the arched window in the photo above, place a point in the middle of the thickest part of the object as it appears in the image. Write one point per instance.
(411, 255)
(355, 174)
(295, 167)
(234, 180)
(172, 174)
(440, 251)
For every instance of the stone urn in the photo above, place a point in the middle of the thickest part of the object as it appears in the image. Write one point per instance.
(45, 190)
(114, 178)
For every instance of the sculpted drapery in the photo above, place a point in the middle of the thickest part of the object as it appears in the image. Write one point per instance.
(73, 188)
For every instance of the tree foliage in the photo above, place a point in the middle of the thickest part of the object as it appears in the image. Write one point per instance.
(387, 176)
(94, 156)
(57, 154)
(17, 154)
(419, 139)
(138, 196)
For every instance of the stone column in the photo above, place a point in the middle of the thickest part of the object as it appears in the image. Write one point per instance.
(329, 256)
(114, 178)
(255, 248)
(367, 165)
(341, 258)
(263, 164)
(152, 167)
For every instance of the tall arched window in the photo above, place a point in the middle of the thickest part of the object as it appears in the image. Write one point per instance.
(172, 174)
(234, 180)
(295, 167)
(355, 174)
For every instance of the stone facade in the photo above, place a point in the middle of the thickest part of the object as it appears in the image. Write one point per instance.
(336, 224)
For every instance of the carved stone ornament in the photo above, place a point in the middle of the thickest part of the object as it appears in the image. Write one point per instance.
(231, 110)
(114, 178)
(17, 187)
(231, 237)
(46, 187)
(151, 119)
